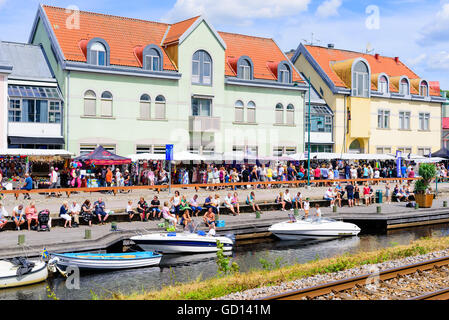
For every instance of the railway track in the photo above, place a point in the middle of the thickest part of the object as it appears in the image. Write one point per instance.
(428, 280)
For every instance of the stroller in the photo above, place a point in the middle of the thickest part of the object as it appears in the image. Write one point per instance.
(43, 219)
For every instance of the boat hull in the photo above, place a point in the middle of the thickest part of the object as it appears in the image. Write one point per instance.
(181, 243)
(303, 230)
(106, 261)
(9, 279)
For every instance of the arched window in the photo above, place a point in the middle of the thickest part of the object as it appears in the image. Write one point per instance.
(239, 111)
(160, 108)
(404, 87)
(424, 89)
(290, 114)
(145, 107)
(284, 73)
(245, 68)
(360, 80)
(152, 58)
(201, 68)
(383, 84)
(97, 54)
(279, 113)
(90, 103)
(251, 112)
(106, 104)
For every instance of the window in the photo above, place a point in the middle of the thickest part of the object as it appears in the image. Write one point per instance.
(143, 149)
(54, 112)
(404, 120)
(14, 111)
(98, 54)
(239, 111)
(424, 89)
(86, 149)
(405, 150)
(383, 150)
(320, 148)
(201, 68)
(90, 103)
(290, 114)
(160, 112)
(251, 111)
(319, 123)
(284, 73)
(145, 107)
(404, 87)
(383, 119)
(244, 71)
(424, 151)
(106, 104)
(360, 80)
(158, 149)
(383, 85)
(280, 151)
(424, 119)
(279, 113)
(201, 107)
(152, 60)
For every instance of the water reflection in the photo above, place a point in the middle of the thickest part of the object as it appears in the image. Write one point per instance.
(249, 255)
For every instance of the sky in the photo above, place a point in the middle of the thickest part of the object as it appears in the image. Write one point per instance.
(416, 31)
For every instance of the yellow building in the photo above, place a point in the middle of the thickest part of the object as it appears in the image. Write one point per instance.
(379, 104)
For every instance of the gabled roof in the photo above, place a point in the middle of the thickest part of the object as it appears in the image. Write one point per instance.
(28, 61)
(127, 37)
(262, 51)
(326, 58)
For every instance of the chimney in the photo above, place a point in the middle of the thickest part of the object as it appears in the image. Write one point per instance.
(396, 59)
(331, 46)
(377, 56)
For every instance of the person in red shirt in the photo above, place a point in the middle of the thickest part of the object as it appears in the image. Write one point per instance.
(367, 194)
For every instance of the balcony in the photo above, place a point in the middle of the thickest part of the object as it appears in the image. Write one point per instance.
(204, 124)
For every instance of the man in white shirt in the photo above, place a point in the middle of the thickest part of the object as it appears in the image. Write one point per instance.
(74, 211)
(228, 203)
(193, 203)
(53, 180)
(3, 216)
(288, 200)
(18, 216)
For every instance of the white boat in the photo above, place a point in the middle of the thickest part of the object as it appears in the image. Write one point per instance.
(9, 277)
(322, 229)
(106, 261)
(181, 242)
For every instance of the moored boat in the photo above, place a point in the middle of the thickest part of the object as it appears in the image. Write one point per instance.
(322, 229)
(106, 261)
(27, 272)
(181, 242)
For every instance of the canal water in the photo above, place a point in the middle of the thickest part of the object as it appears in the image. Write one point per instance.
(248, 255)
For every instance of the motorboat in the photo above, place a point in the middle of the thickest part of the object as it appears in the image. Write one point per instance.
(106, 261)
(313, 228)
(21, 272)
(185, 242)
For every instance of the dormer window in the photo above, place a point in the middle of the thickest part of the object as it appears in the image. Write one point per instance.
(424, 89)
(284, 73)
(201, 68)
(245, 68)
(98, 52)
(404, 87)
(152, 58)
(383, 85)
(360, 80)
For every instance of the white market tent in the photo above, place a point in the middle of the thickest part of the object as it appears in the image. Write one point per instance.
(35, 152)
(146, 156)
(187, 156)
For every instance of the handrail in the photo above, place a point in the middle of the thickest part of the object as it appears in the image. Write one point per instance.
(158, 188)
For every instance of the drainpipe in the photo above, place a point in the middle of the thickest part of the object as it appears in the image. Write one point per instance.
(67, 109)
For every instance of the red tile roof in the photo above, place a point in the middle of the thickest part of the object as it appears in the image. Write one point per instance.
(127, 37)
(326, 57)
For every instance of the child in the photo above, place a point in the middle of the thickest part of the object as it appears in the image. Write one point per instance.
(167, 215)
(318, 211)
(306, 208)
(129, 210)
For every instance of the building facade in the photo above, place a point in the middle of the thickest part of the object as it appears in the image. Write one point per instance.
(134, 86)
(379, 104)
(31, 105)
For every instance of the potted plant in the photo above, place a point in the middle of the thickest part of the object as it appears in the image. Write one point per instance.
(423, 198)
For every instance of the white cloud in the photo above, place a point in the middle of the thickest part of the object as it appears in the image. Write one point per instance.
(415, 61)
(237, 11)
(438, 30)
(329, 8)
(439, 61)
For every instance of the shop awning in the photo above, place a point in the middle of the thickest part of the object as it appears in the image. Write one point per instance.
(34, 152)
(34, 140)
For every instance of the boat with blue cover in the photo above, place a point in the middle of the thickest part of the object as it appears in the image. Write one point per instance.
(106, 261)
(185, 242)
